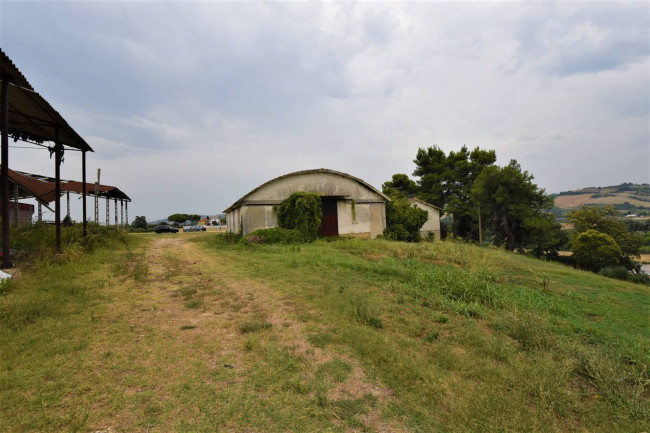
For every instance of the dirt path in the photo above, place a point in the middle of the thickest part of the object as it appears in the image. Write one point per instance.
(188, 317)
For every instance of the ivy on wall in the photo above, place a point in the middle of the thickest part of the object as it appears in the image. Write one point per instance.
(301, 211)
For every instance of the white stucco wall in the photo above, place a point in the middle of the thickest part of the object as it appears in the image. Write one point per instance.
(433, 223)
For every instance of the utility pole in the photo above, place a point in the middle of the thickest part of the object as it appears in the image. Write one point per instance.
(480, 226)
(99, 170)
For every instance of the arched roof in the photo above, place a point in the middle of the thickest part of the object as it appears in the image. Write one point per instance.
(302, 172)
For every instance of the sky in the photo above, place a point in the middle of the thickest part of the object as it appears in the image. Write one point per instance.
(190, 105)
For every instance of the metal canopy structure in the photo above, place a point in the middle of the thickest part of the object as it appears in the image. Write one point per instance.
(25, 186)
(106, 191)
(26, 115)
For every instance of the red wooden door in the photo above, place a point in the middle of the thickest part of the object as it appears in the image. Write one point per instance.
(330, 223)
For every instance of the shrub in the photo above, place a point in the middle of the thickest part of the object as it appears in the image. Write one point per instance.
(38, 241)
(403, 220)
(274, 236)
(254, 325)
(617, 272)
(639, 278)
(301, 211)
(594, 250)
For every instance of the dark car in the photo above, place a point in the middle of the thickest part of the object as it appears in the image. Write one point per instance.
(165, 229)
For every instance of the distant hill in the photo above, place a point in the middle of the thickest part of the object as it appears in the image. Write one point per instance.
(636, 195)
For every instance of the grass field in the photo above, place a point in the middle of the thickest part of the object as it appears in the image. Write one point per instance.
(189, 333)
(571, 201)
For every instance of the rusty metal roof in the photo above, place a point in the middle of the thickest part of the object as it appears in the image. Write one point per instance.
(29, 187)
(31, 117)
(318, 170)
(77, 187)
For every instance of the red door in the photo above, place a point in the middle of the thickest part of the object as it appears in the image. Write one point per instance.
(329, 225)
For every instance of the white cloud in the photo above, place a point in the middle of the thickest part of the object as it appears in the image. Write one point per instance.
(203, 101)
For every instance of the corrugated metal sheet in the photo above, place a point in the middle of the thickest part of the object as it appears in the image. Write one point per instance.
(31, 117)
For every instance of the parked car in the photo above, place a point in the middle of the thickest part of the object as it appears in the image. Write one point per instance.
(165, 229)
(194, 229)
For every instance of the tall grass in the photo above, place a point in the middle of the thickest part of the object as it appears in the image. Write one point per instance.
(476, 332)
(37, 242)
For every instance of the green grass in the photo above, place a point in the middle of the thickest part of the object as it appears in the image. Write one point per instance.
(349, 335)
(478, 333)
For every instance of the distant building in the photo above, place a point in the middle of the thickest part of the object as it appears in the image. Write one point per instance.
(351, 207)
(204, 221)
(432, 226)
(25, 213)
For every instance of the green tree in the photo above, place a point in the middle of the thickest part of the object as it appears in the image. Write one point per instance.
(194, 218)
(400, 186)
(178, 218)
(140, 222)
(606, 220)
(515, 209)
(404, 220)
(301, 211)
(446, 181)
(594, 250)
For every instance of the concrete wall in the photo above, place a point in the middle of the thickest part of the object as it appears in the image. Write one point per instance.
(367, 220)
(433, 223)
(321, 183)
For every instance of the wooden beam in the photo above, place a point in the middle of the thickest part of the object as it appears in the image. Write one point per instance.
(57, 188)
(84, 193)
(4, 178)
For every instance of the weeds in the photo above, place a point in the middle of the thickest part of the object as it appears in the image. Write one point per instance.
(253, 326)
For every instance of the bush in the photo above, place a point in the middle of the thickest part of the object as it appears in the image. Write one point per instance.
(301, 211)
(594, 250)
(274, 236)
(404, 221)
(617, 272)
(38, 241)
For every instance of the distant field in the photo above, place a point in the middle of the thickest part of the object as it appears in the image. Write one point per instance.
(636, 195)
(570, 201)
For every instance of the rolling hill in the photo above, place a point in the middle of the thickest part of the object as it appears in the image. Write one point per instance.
(635, 195)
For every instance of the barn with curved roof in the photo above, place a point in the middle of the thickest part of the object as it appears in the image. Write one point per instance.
(351, 207)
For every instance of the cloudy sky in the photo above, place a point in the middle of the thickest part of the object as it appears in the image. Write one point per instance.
(190, 105)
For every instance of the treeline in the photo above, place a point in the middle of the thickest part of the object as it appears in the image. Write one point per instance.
(502, 204)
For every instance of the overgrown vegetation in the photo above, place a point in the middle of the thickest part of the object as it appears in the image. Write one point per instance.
(599, 228)
(37, 242)
(485, 201)
(403, 220)
(350, 335)
(275, 235)
(301, 211)
(555, 349)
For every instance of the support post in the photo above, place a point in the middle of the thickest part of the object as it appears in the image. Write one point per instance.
(122, 212)
(126, 210)
(99, 170)
(16, 205)
(40, 212)
(84, 192)
(108, 210)
(480, 227)
(4, 178)
(67, 195)
(58, 150)
(115, 211)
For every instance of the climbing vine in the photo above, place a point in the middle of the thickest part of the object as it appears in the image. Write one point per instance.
(301, 211)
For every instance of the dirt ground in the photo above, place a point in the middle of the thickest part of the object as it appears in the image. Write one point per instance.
(190, 301)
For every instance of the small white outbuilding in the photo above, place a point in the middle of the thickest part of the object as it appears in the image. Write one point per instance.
(432, 226)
